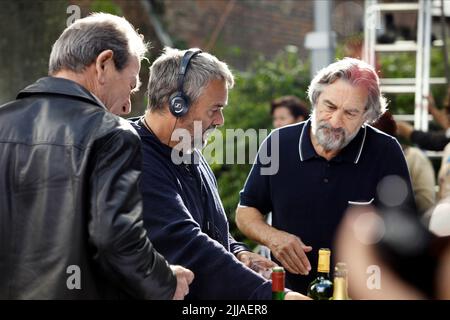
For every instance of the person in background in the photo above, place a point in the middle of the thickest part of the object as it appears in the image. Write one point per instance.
(439, 217)
(430, 140)
(444, 174)
(420, 168)
(288, 110)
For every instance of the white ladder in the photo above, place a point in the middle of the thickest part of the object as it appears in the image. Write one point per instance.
(420, 84)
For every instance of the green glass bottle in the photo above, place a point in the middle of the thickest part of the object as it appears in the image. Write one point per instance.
(278, 278)
(340, 283)
(321, 288)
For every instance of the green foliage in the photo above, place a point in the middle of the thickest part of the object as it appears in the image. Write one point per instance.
(248, 108)
(107, 6)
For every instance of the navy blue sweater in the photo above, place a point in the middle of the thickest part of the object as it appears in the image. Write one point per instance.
(186, 222)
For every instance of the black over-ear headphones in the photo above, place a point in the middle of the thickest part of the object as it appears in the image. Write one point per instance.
(179, 101)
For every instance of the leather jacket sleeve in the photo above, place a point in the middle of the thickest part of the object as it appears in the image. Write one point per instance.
(123, 251)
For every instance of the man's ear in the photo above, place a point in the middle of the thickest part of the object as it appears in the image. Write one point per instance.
(103, 65)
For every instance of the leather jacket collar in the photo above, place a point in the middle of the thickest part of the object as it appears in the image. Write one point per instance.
(54, 85)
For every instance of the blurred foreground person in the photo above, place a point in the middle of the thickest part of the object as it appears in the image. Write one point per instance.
(392, 256)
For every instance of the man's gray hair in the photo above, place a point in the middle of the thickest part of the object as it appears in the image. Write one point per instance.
(163, 79)
(81, 43)
(357, 73)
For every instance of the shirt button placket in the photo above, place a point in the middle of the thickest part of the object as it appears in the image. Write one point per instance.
(327, 173)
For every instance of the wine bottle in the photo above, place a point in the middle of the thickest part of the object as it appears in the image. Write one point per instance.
(340, 283)
(321, 288)
(278, 278)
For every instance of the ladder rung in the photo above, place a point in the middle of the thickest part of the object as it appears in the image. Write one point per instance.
(409, 81)
(438, 43)
(408, 117)
(441, 80)
(398, 89)
(433, 154)
(396, 7)
(396, 47)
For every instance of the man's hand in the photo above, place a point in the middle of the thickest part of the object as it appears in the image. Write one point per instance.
(290, 251)
(404, 129)
(292, 295)
(256, 262)
(184, 279)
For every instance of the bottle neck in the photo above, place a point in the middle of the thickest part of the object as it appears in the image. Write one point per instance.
(278, 279)
(340, 291)
(323, 274)
(323, 265)
(278, 295)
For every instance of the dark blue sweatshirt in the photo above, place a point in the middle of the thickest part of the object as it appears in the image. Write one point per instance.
(186, 222)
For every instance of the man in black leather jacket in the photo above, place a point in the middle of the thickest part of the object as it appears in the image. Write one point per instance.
(70, 210)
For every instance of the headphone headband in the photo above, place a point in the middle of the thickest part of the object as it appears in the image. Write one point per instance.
(184, 66)
(179, 101)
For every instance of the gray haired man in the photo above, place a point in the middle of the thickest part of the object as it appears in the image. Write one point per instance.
(70, 208)
(331, 161)
(183, 212)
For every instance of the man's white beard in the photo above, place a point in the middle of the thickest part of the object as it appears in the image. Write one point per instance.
(329, 138)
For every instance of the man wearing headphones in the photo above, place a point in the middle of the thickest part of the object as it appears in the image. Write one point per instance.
(183, 213)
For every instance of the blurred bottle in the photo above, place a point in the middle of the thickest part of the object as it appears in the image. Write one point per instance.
(278, 278)
(340, 283)
(321, 288)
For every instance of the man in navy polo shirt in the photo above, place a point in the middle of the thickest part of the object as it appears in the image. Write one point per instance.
(332, 160)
